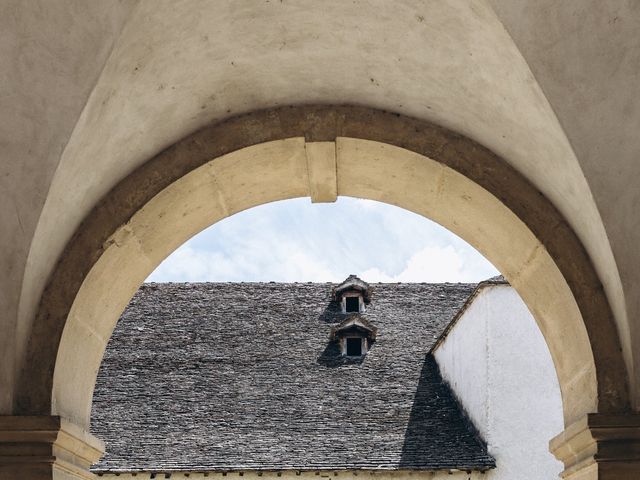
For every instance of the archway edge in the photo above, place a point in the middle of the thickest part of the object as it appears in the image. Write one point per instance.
(107, 225)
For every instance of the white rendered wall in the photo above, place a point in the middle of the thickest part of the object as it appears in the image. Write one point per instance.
(497, 363)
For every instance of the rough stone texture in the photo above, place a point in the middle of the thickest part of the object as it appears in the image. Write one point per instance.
(232, 376)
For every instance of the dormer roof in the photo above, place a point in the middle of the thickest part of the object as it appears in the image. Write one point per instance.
(353, 283)
(354, 324)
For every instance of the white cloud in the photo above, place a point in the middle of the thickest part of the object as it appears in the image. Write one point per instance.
(297, 241)
(251, 261)
(435, 264)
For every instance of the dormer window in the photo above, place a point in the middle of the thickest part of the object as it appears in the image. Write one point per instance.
(353, 346)
(353, 294)
(355, 335)
(352, 304)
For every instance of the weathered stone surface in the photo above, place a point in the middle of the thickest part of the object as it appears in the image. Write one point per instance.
(46, 448)
(600, 447)
(243, 376)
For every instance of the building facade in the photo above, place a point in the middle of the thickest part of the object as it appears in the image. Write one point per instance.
(127, 126)
(241, 377)
(260, 379)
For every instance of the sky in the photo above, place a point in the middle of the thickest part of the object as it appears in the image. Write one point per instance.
(297, 241)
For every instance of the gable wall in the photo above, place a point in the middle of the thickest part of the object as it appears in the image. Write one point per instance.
(498, 365)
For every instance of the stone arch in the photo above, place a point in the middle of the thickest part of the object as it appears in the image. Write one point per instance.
(290, 152)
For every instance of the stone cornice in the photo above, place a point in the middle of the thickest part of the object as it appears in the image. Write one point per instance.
(598, 445)
(46, 444)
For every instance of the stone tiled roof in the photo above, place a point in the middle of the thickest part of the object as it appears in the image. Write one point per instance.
(243, 376)
(352, 282)
(356, 322)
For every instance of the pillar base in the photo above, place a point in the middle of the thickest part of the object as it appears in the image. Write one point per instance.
(600, 447)
(46, 448)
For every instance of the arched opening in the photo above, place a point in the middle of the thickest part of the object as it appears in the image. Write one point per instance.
(321, 152)
(216, 357)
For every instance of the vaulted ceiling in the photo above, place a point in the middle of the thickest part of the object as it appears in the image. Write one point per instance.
(91, 90)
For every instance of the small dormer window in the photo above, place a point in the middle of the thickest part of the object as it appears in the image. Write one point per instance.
(352, 304)
(353, 346)
(354, 335)
(352, 295)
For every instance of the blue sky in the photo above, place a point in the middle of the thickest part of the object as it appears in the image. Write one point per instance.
(297, 241)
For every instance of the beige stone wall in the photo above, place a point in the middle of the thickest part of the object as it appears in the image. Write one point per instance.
(277, 170)
(94, 90)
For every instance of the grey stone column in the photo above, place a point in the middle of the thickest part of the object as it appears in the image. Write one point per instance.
(46, 448)
(600, 447)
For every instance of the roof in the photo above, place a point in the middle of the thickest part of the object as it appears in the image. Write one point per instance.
(353, 282)
(240, 376)
(353, 322)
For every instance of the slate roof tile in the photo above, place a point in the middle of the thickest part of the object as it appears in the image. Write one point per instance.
(228, 376)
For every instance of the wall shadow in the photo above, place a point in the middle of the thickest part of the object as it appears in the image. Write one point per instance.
(438, 427)
(332, 357)
(332, 313)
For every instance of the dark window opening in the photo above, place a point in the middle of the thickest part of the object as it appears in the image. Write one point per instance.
(354, 347)
(352, 304)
